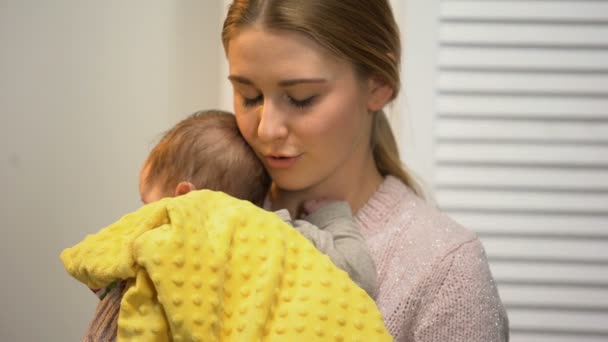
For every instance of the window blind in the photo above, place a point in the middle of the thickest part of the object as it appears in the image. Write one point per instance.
(521, 150)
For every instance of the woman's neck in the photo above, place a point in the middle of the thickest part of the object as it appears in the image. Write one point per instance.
(350, 189)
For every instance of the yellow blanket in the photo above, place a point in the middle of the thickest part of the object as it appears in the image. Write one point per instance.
(208, 267)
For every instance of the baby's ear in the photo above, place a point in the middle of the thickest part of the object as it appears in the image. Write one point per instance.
(183, 188)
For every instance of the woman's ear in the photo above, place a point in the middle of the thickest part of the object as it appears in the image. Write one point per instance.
(183, 188)
(380, 93)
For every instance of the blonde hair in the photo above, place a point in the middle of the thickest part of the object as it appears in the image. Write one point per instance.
(207, 150)
(363, 33)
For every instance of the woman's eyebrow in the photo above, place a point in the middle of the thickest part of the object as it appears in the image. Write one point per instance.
(240, 79)
(288, 83)
(284, 83)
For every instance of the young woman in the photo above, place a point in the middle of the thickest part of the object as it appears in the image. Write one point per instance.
(310, 81)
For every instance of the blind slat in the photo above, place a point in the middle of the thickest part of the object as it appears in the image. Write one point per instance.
(539, 59)
(488, 199)
(523, 107)
(538, 130)
(561, 297)
(521, 178)
(529, 10)
(589, 251)
(565, 226)
(573, 278)
(542, 336)
(524, 34)
(592, 322)
(523, 153)
(523, 82)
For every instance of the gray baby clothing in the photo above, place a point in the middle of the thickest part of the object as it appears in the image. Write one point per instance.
(333, 231)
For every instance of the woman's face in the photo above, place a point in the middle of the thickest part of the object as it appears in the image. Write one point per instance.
(304, 112)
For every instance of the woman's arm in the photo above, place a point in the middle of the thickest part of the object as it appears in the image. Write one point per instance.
(104, 326)
(463, 302)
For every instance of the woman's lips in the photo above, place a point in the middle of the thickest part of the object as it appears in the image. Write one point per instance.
(276, 162)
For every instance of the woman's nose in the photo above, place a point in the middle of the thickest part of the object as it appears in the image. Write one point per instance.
(272, 124)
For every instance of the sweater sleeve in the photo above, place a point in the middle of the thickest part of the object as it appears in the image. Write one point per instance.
(104, 326)
(462, 300)
(334, 232)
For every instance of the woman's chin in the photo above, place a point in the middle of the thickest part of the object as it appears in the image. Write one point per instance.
(290, 182)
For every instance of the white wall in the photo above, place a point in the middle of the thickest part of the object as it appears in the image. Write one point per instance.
(85, 89)
(413, 113)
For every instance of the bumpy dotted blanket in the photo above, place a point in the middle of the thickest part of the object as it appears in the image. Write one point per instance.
(208, 267)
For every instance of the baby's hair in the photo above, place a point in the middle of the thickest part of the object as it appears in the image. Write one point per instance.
(207, 150)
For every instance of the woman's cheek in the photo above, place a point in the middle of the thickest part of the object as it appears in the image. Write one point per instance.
(329, 123)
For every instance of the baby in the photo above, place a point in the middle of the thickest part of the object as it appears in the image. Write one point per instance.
(207, 151)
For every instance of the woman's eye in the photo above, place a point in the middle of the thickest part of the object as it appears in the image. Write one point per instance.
(250, 102)
(301, 103)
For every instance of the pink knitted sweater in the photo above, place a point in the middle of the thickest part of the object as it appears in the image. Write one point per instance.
(433, 276)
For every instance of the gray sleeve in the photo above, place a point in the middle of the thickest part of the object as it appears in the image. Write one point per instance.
(334, 232)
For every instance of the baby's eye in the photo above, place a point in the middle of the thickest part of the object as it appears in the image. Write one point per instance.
(250, 102)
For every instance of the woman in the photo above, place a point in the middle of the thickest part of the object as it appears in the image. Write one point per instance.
(310, 80)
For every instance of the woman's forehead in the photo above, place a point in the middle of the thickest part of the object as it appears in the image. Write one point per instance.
(280, 54)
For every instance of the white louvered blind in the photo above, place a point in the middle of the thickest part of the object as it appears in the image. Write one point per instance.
(521, 146)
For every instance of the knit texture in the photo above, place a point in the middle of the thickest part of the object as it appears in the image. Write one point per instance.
(433, 276)
(208, 267)
(105, 325)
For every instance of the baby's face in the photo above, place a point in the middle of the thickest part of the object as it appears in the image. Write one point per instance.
(149, 191)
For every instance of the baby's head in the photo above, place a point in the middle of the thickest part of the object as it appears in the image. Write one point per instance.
(204, 151)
